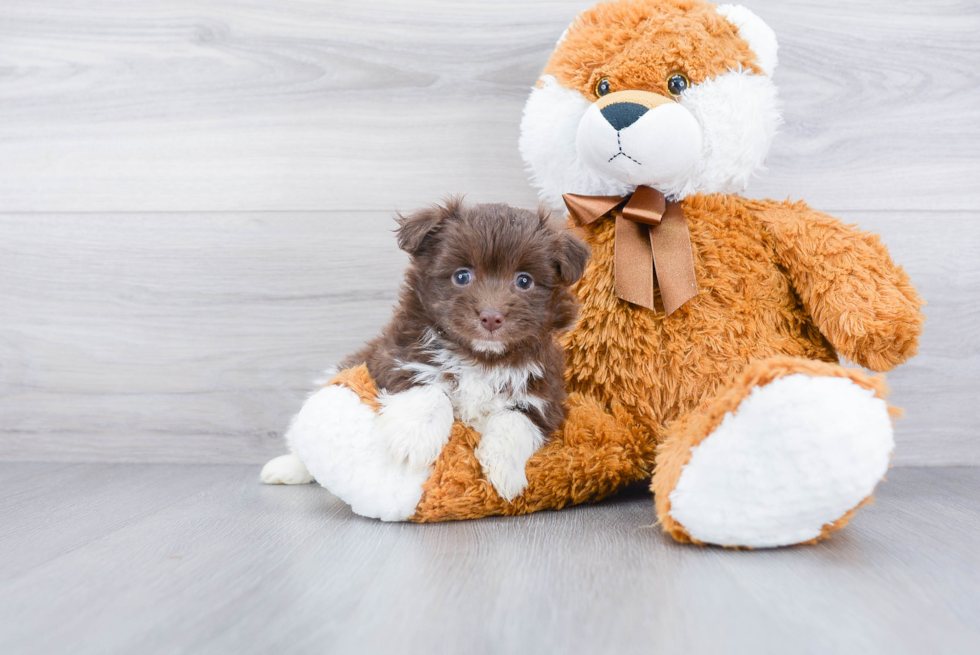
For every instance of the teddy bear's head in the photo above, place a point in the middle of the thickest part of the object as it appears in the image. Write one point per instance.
(671, 94)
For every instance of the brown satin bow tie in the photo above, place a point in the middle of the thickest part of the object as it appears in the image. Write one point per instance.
(651, 239)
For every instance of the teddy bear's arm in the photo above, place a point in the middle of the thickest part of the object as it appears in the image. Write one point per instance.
(862, 302)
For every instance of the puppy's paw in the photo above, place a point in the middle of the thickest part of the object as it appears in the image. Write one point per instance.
(286, 469)
(414, 425)
(509, 439)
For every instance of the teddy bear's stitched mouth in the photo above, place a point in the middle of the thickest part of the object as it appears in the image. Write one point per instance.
(619, 144)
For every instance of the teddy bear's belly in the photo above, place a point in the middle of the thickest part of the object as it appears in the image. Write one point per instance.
(659, 367)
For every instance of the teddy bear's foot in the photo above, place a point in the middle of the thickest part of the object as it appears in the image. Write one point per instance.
(783, 457)
(336, 436)
(285, 469)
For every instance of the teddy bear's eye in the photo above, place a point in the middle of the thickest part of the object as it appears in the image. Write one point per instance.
(677, 83)
(602, 87)
(462, 277)
(523, 281)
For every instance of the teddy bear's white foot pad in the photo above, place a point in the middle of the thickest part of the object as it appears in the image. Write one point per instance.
(336, 437)
(796, 455)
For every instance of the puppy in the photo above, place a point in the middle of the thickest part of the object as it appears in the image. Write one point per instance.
(472, 338)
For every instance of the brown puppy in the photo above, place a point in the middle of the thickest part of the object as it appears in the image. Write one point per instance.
(472, 337)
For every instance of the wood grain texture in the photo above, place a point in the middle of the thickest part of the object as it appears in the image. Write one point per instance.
(194, 338)
(50, 510)
(141, 322)
(190, 105)
(181, 337)
(205, 559)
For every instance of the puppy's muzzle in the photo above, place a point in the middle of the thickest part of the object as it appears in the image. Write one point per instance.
(623, 108)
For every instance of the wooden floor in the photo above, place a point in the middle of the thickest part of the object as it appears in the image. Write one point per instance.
(116, 558)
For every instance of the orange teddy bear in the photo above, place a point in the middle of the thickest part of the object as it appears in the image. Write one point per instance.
(706, 355)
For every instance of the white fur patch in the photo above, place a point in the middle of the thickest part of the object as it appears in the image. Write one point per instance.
(415, 424)
(336, 437)
(477, 390)
(484, 397)
(377, 463)
(738, 114)
(487, 346)
(285, 469)
(753, 29)
(508, 440)
(547, 144)
(795, 456)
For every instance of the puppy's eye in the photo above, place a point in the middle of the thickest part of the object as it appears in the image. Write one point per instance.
(677, 83)
(602, 87)
(523, 281)
(462, 277)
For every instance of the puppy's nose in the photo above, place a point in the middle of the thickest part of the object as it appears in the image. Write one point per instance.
(623, 114)
(491, 319)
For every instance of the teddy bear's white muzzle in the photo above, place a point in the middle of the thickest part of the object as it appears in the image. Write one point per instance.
(656, 147)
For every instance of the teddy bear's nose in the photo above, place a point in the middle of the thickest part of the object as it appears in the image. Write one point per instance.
(623, 114)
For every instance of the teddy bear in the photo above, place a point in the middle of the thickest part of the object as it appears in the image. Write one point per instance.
(706, 359)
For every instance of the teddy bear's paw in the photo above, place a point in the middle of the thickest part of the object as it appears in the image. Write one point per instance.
(507, 441)
(335, 437)
(416, 424)
(286, 469)
(795, 456)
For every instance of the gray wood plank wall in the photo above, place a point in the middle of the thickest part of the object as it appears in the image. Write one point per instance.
(195, 196)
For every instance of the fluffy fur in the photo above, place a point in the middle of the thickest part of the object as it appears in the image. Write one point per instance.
(730, 101)
(472, 337)
(783, 291)
(508, 439)
(760, 37)
(738, 114)
(639, 380)
(415, 424)
(685, 436)
(437, 336)
(335, 435)
(592, 456)
(809, 449)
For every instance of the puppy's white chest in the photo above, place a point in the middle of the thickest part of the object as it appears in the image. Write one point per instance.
(478, 391)
(476, 394)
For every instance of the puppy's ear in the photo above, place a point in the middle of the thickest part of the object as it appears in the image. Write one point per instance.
(419, 230)
(571, 258)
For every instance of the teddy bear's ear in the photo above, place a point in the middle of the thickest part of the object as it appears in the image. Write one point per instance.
(417, 230)
(753, 29)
